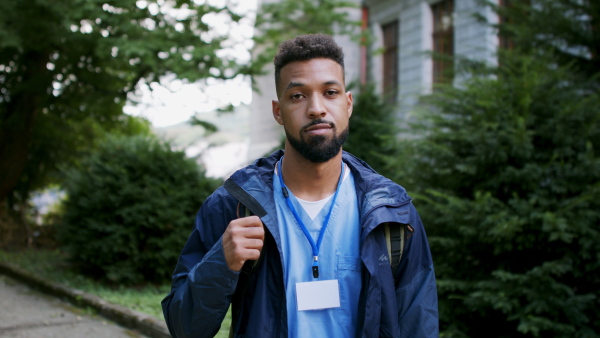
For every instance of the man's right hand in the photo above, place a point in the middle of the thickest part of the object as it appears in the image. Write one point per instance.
(242, 241)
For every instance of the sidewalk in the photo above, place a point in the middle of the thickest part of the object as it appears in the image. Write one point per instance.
(134, 320)
(28, 313)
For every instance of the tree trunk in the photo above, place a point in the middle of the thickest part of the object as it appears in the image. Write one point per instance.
(18, 118)
(15, 137)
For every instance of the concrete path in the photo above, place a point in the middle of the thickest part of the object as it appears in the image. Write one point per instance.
(27, 313)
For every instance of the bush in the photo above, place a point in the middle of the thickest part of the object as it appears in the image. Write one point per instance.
(507, 174)
(129, 210)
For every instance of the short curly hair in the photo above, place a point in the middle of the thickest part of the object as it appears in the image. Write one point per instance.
(304, 48)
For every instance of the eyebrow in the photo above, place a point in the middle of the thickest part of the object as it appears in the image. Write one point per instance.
(294, 84)
(300, 84)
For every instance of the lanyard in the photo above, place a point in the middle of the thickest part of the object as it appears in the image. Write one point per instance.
(315, 246)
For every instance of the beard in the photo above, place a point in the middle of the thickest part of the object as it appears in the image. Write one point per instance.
(318, 149)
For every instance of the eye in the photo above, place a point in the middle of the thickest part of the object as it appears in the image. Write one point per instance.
(331, 92)
(296, 96)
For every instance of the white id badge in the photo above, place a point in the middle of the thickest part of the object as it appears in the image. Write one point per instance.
(318, 295)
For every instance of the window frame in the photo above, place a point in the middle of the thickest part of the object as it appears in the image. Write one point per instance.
(391, 60)
(443, 41)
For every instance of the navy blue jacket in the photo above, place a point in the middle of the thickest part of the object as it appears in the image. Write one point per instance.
(399, 304)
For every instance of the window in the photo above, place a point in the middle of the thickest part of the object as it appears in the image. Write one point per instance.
(443, 41)
(390, 60)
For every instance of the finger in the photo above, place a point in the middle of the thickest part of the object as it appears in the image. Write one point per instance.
(252, 243)
(250, 221)
(241, 231)
(258, 233)
(253, 254)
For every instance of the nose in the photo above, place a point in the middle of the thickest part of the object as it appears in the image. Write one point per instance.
(316, 107)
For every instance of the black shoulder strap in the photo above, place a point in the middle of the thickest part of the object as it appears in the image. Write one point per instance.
(252, 208)
(245, 198)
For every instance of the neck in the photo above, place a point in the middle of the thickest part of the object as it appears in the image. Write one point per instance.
(307, 180)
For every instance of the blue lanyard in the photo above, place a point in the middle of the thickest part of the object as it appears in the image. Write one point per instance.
(317, 246)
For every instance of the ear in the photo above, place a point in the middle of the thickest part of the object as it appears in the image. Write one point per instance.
(277, 111)
(350, 103)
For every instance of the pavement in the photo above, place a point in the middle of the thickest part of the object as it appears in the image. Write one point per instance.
(25, 312)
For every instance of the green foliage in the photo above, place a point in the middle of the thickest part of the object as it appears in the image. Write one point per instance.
(506, 171)
(373, 130)
(67, 67)
(128, 209)
(286, 19)
(60, 142)
(566, 28)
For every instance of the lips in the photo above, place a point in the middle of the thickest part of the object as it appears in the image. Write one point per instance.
(318, 128)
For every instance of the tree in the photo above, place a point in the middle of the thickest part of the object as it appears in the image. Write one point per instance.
(54, 150)
(283, 20)
(128, 209)
(568, 29)
(373, 130)
(67, 67)
(506, 173)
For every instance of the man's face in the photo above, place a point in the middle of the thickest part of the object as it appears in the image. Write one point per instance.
(313, 108)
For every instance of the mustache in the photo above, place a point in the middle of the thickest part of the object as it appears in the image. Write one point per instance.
(318, 121)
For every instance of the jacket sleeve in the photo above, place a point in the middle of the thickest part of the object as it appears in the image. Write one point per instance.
(203, 284)
(416, 291)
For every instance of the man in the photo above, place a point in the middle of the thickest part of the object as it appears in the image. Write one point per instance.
(312, 260)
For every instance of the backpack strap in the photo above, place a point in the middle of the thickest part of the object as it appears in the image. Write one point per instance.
(251, 207)
(395, 239)
(245, 198)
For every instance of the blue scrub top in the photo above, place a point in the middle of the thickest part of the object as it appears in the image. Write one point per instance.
(339, 258)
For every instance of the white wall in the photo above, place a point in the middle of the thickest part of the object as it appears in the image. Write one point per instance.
(265, 133)
(474, 39)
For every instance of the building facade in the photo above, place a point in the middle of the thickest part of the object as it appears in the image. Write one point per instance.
(407, 33)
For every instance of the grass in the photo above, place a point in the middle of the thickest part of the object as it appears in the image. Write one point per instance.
(52, 265)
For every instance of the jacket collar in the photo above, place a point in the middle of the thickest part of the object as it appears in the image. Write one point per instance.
(372, 189)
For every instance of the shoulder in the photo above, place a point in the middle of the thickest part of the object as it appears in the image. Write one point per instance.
(372, 186)
(215, 213)
(220, 197)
